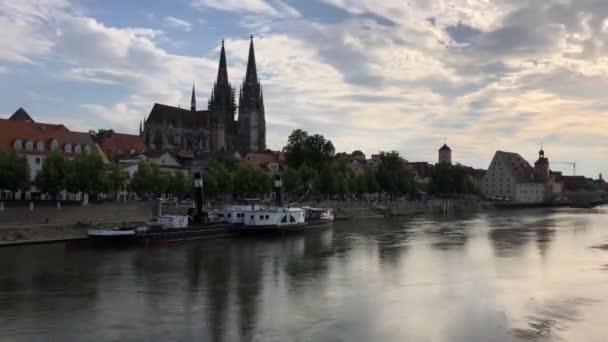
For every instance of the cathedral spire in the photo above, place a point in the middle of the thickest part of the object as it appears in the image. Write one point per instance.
(193, 99)
(252, 74)
(222, 72)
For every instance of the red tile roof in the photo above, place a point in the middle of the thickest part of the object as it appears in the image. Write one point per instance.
(117, 145)
(13, 130)
(261, 159)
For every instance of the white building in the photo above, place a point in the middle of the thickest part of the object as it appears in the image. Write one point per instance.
(510, 177)
(34, 140)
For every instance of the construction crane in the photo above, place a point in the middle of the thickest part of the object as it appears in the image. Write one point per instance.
(573, 164)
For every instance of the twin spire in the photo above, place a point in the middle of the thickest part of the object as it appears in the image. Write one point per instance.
(251, 76)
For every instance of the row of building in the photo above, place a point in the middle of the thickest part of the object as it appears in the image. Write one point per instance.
(509, 176)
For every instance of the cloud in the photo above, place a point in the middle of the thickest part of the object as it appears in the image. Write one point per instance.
(389, 75)
(274, 8)
(177, 23)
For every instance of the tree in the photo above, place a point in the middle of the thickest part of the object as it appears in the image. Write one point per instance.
(294, 151)
(250, 181)
(54, 174)
(393, 175)
(141, 182)
(449, 180)
(85, 174)
(373, 187)
(313, 150)
(291, 181)
(180, 185)
(14, 172)
(218, 179)
(116, 177)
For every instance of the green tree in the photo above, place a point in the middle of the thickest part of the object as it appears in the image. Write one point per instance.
(218, 179)
(250, 181)
(180, 185)
(53, 176)
(291, 181)
(294, 151)
(86, 174)
(393, 175)
(326, 182)
(373, 187)
(141, 182)
(14, 172)
(302, 148)
(116, 177)
(450, 180)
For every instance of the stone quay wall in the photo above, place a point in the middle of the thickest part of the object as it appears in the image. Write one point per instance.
(46, 222)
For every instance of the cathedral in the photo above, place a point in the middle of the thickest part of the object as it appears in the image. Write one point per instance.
(215, 129)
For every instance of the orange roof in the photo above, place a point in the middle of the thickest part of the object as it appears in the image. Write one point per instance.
(116, 145)
(263, 158)
(13, 130)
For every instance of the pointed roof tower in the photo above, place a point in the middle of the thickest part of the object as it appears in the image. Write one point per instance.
(252, 74)
(222, 72)
(21, 115)
(193, 99)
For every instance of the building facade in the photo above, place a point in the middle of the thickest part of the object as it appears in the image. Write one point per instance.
(511, 178)
(215, 130)
(35, 141)
(445, 154)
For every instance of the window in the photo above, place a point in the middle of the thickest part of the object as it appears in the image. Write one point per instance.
(252, 217)
(284, 219)
(29, 145)
(291, 219)
(229, 215)
(261, 217)
(68, 148)
(40, 146)
(267, 217)
(54, 144)
(18, 144)
(37, 161)
(77, 149)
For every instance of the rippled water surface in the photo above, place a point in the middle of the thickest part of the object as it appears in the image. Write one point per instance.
(533, 275)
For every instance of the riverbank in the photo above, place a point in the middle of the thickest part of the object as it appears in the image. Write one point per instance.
(48, 224)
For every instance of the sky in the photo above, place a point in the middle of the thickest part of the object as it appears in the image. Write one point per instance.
(371, 75)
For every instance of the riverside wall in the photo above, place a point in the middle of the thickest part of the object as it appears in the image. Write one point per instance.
(48, 222)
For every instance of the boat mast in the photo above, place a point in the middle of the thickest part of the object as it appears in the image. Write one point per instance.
(198, 194)
(277, 189)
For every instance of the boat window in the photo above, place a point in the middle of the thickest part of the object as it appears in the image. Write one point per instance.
(284, 219)
(261, 217)
(267, 217)
(229, 215)
(252, 217)
(291, 219)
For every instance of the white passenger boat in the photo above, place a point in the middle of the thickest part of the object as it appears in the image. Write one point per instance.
(274, 219)
(169, 222)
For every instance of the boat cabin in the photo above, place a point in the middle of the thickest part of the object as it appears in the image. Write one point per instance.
(235, 214)
(170, 222)
(279, 217)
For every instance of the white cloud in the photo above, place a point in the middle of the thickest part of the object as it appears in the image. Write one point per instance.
(393, 75)
(177, 23)
(275, 8)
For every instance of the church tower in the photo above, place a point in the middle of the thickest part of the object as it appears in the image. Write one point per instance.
(252, 120)
(541, 167)
(222, 109)
(193, 99)
(445, 154)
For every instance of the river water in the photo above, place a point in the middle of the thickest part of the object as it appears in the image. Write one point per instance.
(504, 276)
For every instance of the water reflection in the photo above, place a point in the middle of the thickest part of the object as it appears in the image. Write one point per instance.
(497, 276)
